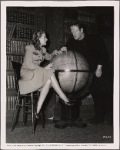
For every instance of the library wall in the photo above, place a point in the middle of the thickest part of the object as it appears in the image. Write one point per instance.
(20, 26)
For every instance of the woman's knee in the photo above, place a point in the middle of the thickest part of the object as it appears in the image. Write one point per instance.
(53, 76)
(48, 82)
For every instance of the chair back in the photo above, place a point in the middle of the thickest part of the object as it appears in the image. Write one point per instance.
(16, 67)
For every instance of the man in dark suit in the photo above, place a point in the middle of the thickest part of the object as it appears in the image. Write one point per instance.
(93, 48)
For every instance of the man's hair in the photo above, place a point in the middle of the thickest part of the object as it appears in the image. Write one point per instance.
(80, 26)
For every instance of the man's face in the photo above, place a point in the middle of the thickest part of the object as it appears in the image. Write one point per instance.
(76, 32)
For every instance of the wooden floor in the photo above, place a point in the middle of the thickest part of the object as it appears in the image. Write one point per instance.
(90, 134)
(50, 134)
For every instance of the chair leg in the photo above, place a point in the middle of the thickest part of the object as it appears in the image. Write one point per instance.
(43, 119)
(24, 110)
(16, 114)
(33, 111)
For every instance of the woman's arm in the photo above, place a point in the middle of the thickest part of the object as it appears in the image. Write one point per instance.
(49, 56)
(28, 59)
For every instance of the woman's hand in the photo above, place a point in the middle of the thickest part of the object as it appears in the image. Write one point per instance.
(58, 52)
(49, 66)
(55, 52)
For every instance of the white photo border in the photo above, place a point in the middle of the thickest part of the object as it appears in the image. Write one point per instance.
(5, 145)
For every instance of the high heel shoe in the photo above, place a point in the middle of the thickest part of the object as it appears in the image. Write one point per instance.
(36, 116)
(67, 103)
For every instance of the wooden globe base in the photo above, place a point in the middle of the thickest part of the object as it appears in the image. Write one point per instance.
(70, 117)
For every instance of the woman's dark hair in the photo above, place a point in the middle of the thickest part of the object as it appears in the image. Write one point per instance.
(35, 38)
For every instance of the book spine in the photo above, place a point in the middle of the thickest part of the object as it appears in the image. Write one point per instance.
(11, 103)
(11, 81)
(8, 82)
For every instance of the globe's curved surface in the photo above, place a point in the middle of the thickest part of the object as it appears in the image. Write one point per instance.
(73, 73)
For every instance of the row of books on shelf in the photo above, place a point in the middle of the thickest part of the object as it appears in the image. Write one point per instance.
(91, 17)
(16, 46)
(13, 58)
(20, 17)
(23, 32)
(10, 82)
(10, 30)
(12, 101)
(86, 19)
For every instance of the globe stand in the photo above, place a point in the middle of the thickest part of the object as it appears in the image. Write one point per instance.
(73, 73)
(70, 116)
(70, 113)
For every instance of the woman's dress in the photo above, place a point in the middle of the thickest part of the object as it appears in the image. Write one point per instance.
(33, 77)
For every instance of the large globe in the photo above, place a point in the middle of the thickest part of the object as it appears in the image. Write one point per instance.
(73, 73)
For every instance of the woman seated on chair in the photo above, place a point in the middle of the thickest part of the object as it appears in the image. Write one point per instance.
(33, 76)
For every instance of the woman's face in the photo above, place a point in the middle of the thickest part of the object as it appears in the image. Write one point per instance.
(43, 39)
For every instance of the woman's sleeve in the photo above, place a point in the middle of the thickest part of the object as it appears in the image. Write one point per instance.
(37, 57)
(28, 59)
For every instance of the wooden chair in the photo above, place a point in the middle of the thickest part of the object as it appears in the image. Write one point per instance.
(26, 102)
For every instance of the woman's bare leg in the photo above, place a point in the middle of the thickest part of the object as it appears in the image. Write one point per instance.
(43, 95)
(57, 88)
(45, 91)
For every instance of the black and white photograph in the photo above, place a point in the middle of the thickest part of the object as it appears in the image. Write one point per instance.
(60, 74)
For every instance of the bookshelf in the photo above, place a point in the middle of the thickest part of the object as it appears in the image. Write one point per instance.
(20, 25)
